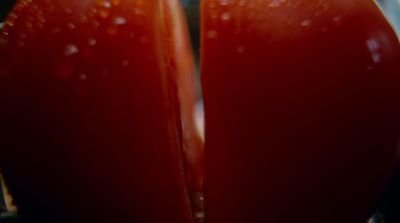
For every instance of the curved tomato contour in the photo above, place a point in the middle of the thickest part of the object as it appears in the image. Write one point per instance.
(187, 92)
(92, 111)
(301, 109)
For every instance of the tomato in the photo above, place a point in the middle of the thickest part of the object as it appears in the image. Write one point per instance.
(97, 111)
(301, 109)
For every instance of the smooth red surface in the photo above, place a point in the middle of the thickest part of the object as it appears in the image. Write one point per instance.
(92, 111)
(301, 108)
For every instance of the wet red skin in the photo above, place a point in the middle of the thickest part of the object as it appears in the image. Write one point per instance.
(301, 110)
(92, 111)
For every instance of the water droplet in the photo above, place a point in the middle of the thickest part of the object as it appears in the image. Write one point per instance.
(106, 4)
(325, 6)
(306, 23)
(211, 34)
(71, 49)
(104, 13)
(56, 30)
(337, 20)
(240, 49)
(119, 21)
(212, 5)
(200, 215)
(83, 19)
(275, 3)
(67, 10)
(92, 41)
(83, 76)
(93, 11)
(9, 23)
(138, 11)
(71, 25)
(213, 14)
(125, 63)
(96, 24)
(20, 44)
(226, 16)
(224, 2)
(375, 49)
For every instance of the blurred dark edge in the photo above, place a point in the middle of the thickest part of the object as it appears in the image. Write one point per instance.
(10, 218)
(389, 207)
(5, 217)
(5, 6)
(192, 9)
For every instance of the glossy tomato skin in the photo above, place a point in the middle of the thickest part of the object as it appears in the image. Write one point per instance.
(91, 111)
(301, 109)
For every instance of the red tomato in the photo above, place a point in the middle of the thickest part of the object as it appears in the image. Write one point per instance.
(97, 111)
(301, 109)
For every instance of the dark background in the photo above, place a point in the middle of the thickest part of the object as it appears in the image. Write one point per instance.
(5, 6)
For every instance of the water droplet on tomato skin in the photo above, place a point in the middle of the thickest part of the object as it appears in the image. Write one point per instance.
(226, 16)
(224, 2)
(71, 49)
(92, 42)
(240, 49)
(212, 34)
(306, 23)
